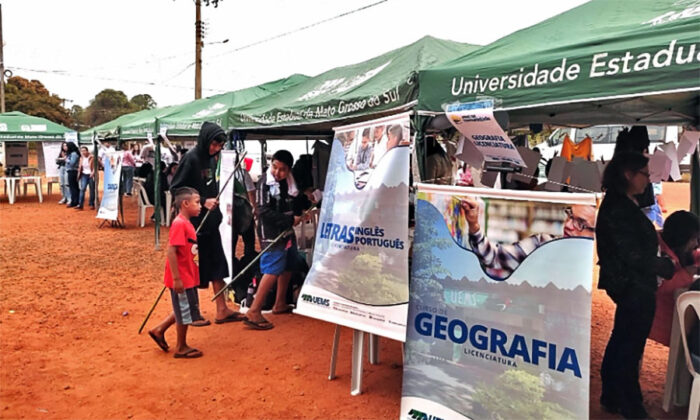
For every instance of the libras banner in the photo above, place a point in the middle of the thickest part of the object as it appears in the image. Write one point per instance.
(500, 305)
(359, 275)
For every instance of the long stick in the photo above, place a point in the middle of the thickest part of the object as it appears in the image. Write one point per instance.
(257, 257)
(143, 324)
(235, 168)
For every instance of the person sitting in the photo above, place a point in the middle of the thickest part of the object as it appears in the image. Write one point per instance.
(364, 154)
(679, 242)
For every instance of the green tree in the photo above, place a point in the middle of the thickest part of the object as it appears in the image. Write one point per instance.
(32, 98)
(77, 113)
(143, 101)
(518, 394)
(106, 106)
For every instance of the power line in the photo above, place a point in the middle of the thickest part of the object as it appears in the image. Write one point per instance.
(282, 35)
(300, 28)
(140, 82)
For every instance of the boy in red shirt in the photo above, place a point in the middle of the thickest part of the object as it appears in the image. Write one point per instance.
(181, 275)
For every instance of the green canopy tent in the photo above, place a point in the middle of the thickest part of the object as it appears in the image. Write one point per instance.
(110, 129)
(186, 119)
(379, 86)
(604, 62)
(19, 127)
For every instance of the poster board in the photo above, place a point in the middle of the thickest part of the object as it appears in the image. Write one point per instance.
(109, 206)
(50, 152)
(503, 334)
(359, 276)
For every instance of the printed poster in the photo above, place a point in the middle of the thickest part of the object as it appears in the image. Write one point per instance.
(109, 206)
(476, 122)
(500, 306)
(359, 276)
(50, 151)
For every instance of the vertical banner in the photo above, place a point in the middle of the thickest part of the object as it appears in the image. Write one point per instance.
(51, 150)
(500, 312)
(359, 276)
(227, 163)
(476, 122)
(109, 206)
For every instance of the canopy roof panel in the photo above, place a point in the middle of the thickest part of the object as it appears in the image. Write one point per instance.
(371, 87)
(17, 126)
(602, 56)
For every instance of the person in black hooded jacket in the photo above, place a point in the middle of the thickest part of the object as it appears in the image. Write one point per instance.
(197, 170)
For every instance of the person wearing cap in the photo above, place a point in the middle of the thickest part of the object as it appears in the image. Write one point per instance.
(279, 207)
(197, 170)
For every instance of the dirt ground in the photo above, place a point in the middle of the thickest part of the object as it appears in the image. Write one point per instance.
(73, 296)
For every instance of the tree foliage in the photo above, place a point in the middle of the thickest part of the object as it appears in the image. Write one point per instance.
(143, 101)
(110, 104)
(32, 98)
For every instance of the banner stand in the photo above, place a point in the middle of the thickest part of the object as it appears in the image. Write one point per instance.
(358, 343)
(116, 223)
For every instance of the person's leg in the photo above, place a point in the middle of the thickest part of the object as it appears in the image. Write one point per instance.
(222, 310)
(640, 316)
(281, 297)
(91, 184)
(74, 189)
(249, 242)
(254, 314)
(128, 179)
(62, 184)
(160, 329)
(83, 186)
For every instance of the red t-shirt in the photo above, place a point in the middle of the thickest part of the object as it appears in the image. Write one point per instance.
(184, 239)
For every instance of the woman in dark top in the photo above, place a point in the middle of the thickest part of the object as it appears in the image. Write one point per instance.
(197, 170)
(627, 254)
(72, 162)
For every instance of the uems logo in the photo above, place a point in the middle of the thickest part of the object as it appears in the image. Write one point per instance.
(419, 415)
(315, 299)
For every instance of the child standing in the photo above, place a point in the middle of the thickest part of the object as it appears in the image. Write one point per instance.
(181, 275)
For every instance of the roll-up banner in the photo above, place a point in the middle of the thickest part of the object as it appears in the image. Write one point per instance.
(500, 309)
(359, 275)
(228, 159)
(109, 206)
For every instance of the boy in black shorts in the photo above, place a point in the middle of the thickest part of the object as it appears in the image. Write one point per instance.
(181, 275)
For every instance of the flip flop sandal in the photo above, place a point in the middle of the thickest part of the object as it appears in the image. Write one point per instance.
(201, 323)
(160, 341)
(234, 317)
(189, 354)
(287, 310)
(262, 325)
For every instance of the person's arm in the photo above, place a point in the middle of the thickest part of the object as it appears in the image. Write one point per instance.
(90, 161)
(172, 263)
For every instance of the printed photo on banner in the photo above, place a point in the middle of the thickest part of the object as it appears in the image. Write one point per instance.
(364, 147)
(500, 306)
(359, 276)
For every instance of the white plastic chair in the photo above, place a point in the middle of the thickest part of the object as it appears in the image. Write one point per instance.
(144, 203)
(690, 299)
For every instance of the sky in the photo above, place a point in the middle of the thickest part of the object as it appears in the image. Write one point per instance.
(77, 48)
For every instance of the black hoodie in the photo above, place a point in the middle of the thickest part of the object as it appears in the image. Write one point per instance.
(197, 170)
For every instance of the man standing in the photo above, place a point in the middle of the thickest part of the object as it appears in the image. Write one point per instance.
(197, 170)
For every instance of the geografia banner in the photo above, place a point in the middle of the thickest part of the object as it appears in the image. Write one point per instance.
(359, 276)
(500, 305)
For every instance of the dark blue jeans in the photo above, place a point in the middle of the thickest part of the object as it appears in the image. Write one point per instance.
(85, 181)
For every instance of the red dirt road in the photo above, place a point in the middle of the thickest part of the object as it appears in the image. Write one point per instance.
(72, 299)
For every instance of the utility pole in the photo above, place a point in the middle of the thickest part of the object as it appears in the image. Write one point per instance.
(2, 69)
(198, 50)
